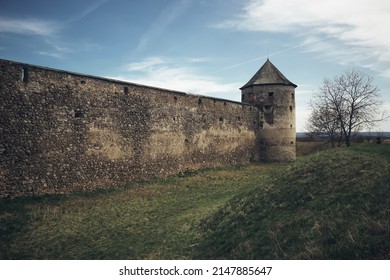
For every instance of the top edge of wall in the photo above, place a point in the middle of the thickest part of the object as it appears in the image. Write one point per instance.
(11, 62)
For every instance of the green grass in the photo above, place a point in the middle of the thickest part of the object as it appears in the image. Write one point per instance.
(151, 220)
(307, 148)
(332, 204)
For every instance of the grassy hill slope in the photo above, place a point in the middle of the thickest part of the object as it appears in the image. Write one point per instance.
(330, 205)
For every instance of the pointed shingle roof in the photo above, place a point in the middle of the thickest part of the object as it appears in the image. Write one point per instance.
(268, 74)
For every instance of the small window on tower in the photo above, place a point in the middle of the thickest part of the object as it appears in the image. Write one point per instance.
(271, 93)
(25, 74)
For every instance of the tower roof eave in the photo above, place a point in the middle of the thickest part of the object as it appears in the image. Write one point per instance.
(268, 74)
(268, 84)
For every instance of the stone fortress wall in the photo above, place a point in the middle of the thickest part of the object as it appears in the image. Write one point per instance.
(62, 132)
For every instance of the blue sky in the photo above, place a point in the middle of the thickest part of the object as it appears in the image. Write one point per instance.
(209, 47)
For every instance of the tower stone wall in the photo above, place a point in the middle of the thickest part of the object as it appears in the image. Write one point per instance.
(277, 128)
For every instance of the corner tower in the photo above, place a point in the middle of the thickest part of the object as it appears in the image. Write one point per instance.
(274, 95)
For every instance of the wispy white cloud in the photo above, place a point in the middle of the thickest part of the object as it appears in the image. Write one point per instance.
(42, 27)
(386, 73)
(356, 31)
(50, 32)
(200, 59)
(152, 62)
(58, 48)
(304, 93)
(52, 54)
(45, 29)
(146, 65)
(166, 18)
(28, 26)
(88, 10)
(164, 73)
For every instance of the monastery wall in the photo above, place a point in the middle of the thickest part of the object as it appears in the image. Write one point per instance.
(62, 132)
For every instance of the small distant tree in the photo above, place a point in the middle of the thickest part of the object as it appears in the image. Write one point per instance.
(345, 105)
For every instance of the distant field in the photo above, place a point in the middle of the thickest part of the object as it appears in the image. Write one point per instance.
(330, 204)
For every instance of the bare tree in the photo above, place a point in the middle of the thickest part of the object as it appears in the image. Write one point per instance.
(346, 104)
(322, 122)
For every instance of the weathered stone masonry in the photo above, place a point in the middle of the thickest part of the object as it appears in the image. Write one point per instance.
(62, 132)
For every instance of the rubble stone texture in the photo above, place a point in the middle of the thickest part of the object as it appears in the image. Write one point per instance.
(62, 132)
